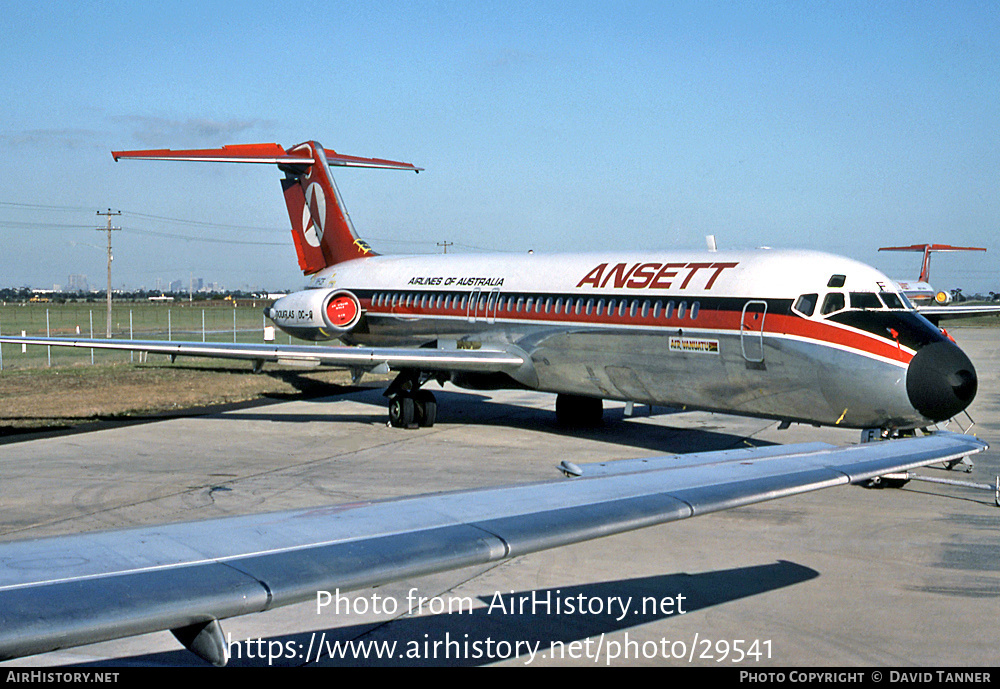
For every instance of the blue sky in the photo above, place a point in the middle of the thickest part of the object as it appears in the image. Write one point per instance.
(551, 126)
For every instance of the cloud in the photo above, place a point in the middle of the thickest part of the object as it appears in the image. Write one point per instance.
(64, 138)
(160, 131)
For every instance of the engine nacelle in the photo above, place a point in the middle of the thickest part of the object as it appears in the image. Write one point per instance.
(316, 314)
(942, 298)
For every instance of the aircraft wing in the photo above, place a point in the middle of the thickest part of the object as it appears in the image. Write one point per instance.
(366, 358)
(940, 313)
(72, 590)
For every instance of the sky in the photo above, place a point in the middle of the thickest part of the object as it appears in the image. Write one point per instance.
(551, 126)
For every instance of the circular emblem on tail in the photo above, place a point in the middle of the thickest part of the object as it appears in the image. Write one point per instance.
(314, 214)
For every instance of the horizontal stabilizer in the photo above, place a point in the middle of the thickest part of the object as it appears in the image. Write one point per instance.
(261, 153)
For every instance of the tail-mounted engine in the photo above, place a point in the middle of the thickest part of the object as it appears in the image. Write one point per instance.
(316, 314)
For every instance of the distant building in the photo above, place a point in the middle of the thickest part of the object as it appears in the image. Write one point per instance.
(77, 283)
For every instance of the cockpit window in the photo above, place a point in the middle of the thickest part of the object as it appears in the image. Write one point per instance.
(892, 300)
(837, 281)
(834, 302)
(865, 300)
(806, 304)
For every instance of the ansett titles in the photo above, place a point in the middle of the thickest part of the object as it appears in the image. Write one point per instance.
(655, 275)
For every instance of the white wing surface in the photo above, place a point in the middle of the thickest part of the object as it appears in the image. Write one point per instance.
(951, 312)
(479, 360)
(72, 590)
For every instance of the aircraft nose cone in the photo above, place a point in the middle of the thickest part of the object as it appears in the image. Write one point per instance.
(941, 381)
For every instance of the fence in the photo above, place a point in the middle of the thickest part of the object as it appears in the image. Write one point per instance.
(201, 322)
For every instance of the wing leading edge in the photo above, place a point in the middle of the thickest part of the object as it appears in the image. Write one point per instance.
(72, 590)
(480, 360)
(951, 312)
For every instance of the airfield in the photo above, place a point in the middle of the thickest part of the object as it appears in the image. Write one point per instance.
(841, 577)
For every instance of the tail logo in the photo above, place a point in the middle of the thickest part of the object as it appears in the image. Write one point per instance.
(313, 214)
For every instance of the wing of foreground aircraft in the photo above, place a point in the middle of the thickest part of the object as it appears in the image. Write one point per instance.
(73, 590)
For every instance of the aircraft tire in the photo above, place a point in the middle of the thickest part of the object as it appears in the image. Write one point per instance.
(577, 411)
(401, 411)
(425, 408)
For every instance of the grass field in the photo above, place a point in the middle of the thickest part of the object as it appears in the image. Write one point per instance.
(65, 397)
(62, 389)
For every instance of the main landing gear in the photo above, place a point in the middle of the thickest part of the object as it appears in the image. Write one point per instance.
(409, 406)
(411, 410)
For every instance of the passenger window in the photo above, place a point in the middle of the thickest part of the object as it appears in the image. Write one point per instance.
(681, 309)
(806, 304)
(834, 302)
(695, 307)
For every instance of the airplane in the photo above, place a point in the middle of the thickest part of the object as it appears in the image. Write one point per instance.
(795, 336)
(65, 591)
(934, 304)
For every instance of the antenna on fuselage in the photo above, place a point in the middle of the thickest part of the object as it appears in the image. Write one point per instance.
(710, 241)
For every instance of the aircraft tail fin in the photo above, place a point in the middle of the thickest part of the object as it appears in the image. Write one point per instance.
(321, 228)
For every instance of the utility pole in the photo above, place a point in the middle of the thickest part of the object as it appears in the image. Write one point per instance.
(109, 229)
(445, 244)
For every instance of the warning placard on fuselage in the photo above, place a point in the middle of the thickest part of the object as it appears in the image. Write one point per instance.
(695, 345)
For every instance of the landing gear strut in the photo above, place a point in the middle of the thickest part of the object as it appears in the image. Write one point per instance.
(409, 406)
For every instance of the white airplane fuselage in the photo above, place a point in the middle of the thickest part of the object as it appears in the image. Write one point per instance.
(790, 335)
